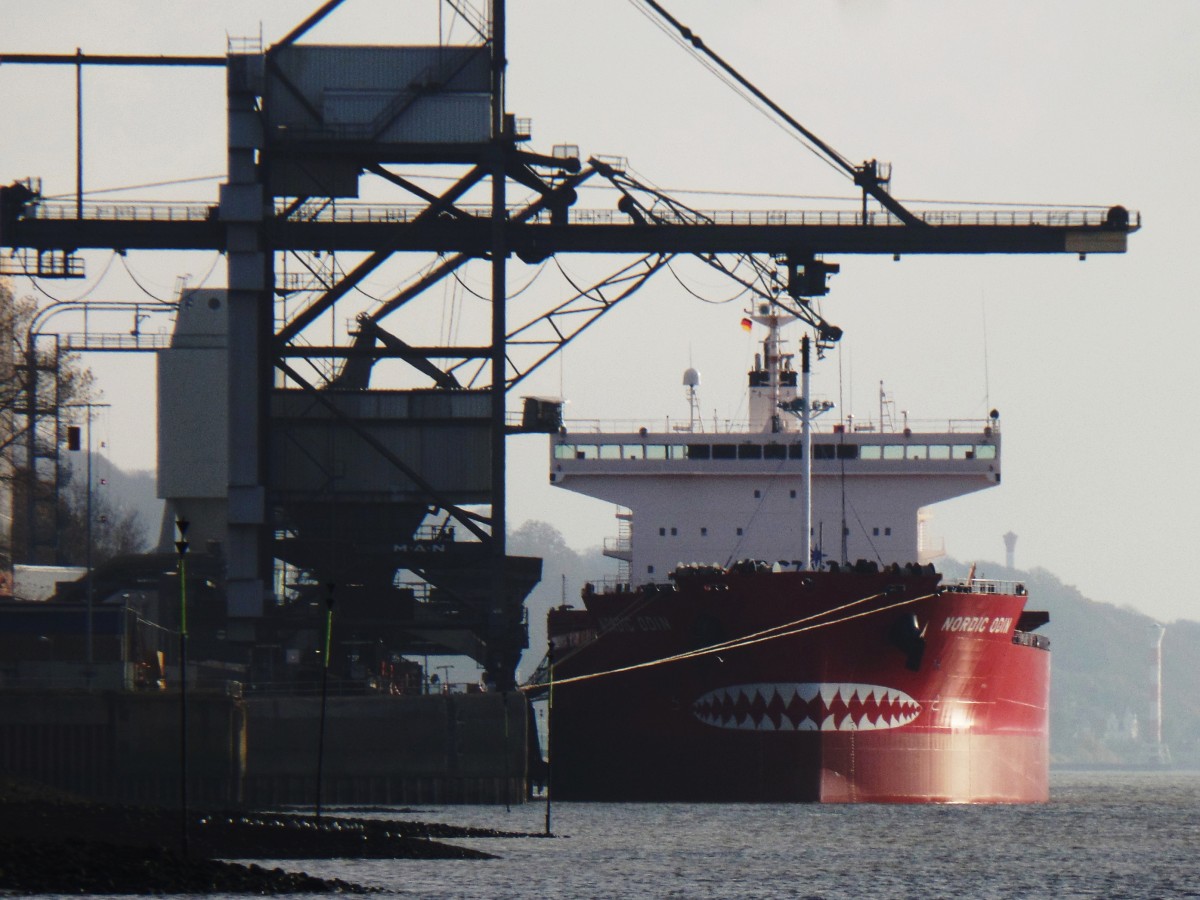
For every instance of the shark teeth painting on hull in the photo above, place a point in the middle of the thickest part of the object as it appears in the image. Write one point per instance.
(806, 706)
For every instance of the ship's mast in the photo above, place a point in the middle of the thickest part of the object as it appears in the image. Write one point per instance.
(773, 391)
(806, 442)
(773, 380)
(771, 360)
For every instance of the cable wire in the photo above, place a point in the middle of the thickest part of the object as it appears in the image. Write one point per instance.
(144, 290)
(701, 298)
(799, 626)
(733, 85)
(136, 187)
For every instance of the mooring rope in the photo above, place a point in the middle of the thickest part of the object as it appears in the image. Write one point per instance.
(798, 626)
(616, 621)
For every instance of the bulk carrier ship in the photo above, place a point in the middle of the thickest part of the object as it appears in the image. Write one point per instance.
(779, 669)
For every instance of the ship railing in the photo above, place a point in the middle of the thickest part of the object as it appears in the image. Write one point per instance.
(985, 586)
(617, 545)
(371, 684)
(1029, 639)
(609, 585)
(682, 429)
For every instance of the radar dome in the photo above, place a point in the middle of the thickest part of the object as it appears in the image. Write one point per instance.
(691, 378)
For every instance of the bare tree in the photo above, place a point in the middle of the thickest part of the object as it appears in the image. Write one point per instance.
(44, 392)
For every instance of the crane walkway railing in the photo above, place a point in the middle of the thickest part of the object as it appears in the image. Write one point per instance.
(127, 341)
(372, 213)
(140, 211)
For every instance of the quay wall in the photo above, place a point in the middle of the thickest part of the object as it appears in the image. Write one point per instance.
(441, 748)
(262, 751)
(117, 746)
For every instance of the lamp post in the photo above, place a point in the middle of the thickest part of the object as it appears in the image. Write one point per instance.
(549, 733)
(446, 677)
(181, 545)
(73, 444)
(90, 589)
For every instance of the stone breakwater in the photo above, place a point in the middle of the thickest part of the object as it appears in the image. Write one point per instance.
(92, 867)
(57, 844)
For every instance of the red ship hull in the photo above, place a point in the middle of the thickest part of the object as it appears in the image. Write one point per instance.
(851, 687)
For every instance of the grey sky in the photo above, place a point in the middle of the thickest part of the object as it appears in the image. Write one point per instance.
(1091, 363)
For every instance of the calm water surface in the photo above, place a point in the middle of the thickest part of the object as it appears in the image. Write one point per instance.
(1102, 835)
(1109, 835)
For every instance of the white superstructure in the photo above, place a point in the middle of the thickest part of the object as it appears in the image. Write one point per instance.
(718, 497)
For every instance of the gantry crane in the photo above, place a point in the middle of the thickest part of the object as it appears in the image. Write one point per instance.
(305, 124)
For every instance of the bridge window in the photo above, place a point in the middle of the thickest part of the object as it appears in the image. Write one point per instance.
(847, 451)
(870, 451)
(698, 451)
(774, 451)
(564, 451)
(823, 451)
(917, 451)
(610, 451)
(656, 451)
(724, 451)
(796, 451)
(962, 451)
(587, 451)
(749, 451)
(893, 451)
(985, 451)
(939, 451)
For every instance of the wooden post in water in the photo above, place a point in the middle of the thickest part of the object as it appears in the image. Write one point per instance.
(549, 742)
(181, 545)
(324, 696)
(506, 768)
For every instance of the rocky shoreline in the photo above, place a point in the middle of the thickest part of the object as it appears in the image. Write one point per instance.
(59, 844)
(93, 867)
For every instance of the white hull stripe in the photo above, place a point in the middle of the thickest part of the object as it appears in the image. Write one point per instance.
(806, 706)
